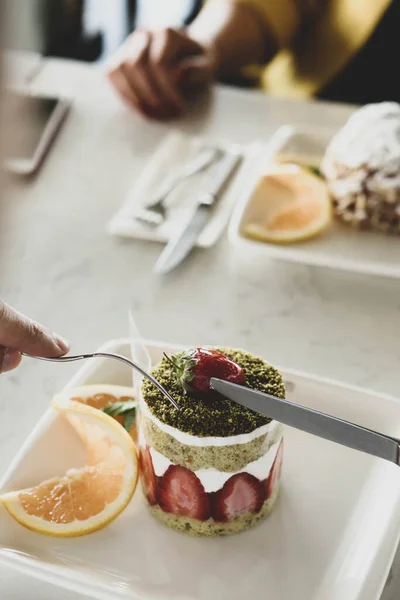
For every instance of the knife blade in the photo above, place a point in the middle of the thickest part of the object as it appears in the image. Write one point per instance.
(312, 421)
(178, 247)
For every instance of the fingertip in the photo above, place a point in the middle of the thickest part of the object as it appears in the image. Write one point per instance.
(112, 73)
(10, 360)
(62, 343)
(121, 85)
(129, 101)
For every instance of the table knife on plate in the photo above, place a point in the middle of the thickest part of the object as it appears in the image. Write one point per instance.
(312, 421)
(183, 242)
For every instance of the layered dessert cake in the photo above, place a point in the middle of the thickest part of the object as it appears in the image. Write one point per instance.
(362, 168)
(212, 467)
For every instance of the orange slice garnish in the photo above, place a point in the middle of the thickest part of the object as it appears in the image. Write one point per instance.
(290, 204)
(86, 499)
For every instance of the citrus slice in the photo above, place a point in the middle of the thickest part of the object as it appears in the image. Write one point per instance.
(85, 499)
(104, 396)
(290, 204)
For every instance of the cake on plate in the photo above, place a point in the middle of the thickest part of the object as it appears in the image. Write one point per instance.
(362, 168)
(212, 467)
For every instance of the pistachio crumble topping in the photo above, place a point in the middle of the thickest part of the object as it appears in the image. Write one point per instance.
(216, 416)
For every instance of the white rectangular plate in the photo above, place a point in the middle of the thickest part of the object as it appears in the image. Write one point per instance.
(332, 535)
(340, 247)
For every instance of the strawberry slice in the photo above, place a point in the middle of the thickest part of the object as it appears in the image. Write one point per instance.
(149, 480)
(241, 494)
(182, 493)
(275, 472)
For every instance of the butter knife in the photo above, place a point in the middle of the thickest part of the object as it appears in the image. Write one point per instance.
(312, 421)
(179, 246)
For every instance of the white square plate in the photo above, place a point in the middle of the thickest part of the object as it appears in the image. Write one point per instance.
(340, 247)
(332, 535)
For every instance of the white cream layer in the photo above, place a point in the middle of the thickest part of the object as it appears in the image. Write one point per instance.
(194, 440)
(212, 479)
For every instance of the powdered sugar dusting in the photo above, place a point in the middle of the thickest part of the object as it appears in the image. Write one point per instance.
(362, 168)
(370, 138)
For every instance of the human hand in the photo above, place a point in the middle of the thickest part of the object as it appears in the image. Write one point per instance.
(20, 334)
(153, 71)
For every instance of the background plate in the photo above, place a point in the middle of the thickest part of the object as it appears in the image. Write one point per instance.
(340, 247)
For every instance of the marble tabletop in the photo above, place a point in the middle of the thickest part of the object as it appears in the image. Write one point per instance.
(61, 267)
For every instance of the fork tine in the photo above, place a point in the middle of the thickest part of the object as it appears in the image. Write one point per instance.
(149, 217)
(154, 214)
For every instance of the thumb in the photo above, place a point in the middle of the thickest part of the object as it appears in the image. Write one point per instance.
(18, 334)
(196, 71)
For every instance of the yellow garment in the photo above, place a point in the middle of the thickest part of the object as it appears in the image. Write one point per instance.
(317, 38)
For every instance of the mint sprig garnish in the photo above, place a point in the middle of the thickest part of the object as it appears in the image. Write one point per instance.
(127, 408)
(130, 418)
(314, 170)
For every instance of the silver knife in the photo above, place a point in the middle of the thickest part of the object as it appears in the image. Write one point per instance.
(312, 421)
(180, 245)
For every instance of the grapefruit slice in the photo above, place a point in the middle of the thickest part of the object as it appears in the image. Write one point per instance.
(86, 499)
(290, 204)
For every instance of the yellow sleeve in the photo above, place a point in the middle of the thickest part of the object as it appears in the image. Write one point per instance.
(282, 17)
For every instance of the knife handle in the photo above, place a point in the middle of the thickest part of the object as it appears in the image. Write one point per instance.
(220, 177)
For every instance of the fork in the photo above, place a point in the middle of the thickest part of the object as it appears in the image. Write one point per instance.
(154, 214)
(120, 357)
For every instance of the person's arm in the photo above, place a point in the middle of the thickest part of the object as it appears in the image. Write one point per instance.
(20, 334)
(236, 33)
(153, 69)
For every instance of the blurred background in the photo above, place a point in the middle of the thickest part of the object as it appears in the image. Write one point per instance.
(90, 30)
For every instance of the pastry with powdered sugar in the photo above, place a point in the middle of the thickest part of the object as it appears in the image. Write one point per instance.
(362, 168)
